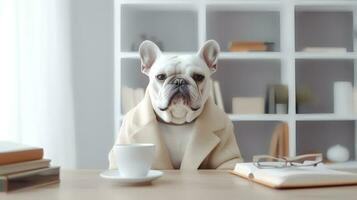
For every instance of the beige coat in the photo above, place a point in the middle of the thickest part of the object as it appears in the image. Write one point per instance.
(211, 146)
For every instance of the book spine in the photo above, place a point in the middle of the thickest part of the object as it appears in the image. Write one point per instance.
(20, 156)
(271, 100)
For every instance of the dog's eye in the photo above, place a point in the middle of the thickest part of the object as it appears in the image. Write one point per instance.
(161, 77)
(198, 77)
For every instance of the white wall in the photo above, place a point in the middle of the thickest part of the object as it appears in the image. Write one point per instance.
(93, 60)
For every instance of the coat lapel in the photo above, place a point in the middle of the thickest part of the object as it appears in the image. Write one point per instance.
(203, 139)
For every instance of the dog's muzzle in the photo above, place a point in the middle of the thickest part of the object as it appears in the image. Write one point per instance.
(180, 89)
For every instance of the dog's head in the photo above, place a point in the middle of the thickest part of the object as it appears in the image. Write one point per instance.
(179, 84)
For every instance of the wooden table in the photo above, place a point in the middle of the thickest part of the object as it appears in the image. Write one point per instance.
(200, 185)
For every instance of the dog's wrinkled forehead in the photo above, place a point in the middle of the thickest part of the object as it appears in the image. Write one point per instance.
(153, 60)
(182, 64)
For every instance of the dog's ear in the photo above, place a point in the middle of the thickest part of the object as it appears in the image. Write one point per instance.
(149, 52)
(209, 53)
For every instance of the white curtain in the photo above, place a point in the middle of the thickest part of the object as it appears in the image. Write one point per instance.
(8, 72)
(36, 94)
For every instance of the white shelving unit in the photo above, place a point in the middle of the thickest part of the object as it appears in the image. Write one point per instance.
(184, 25)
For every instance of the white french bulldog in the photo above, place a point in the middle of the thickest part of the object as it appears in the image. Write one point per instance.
(178, 115)
(179, 85)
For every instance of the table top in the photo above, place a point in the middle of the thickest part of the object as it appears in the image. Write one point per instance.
(207, 184)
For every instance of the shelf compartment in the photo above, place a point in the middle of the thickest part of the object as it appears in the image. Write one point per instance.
(226, 25)
(318, 77)
(161, 24)
(339, 5)
(318, 136)
(323, 29)
(246, 78)
(254, 132)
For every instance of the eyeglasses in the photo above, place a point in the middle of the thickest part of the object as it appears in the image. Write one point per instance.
(266, 161)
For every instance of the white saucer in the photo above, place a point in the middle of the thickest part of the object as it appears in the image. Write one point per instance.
(114, 175)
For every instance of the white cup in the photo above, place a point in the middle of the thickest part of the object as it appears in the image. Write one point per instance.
(134, 160)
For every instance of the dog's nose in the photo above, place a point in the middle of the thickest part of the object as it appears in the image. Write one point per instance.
(179, 81)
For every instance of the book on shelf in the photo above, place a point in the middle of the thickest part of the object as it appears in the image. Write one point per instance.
(218, 95)
(270, 100)
(13, 153)
(295, 177)
(131, 97)
(242, 46)
(277, 94)
(29, 179)
(354, 100)
(248, 105)
(325, 49)
(23, 166)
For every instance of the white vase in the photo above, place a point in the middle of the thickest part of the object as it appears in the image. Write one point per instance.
(338, 153)
(343, 101)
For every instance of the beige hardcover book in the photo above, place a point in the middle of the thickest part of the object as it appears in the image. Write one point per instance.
(218, 95)
(24, 166)
(13, 153)
(248, 105)
(295, 177)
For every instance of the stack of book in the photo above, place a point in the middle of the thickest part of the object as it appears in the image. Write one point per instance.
(250, 46)
(131, 97)
(23, 166)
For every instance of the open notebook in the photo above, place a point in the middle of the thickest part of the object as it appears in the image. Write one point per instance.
(295, 177)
